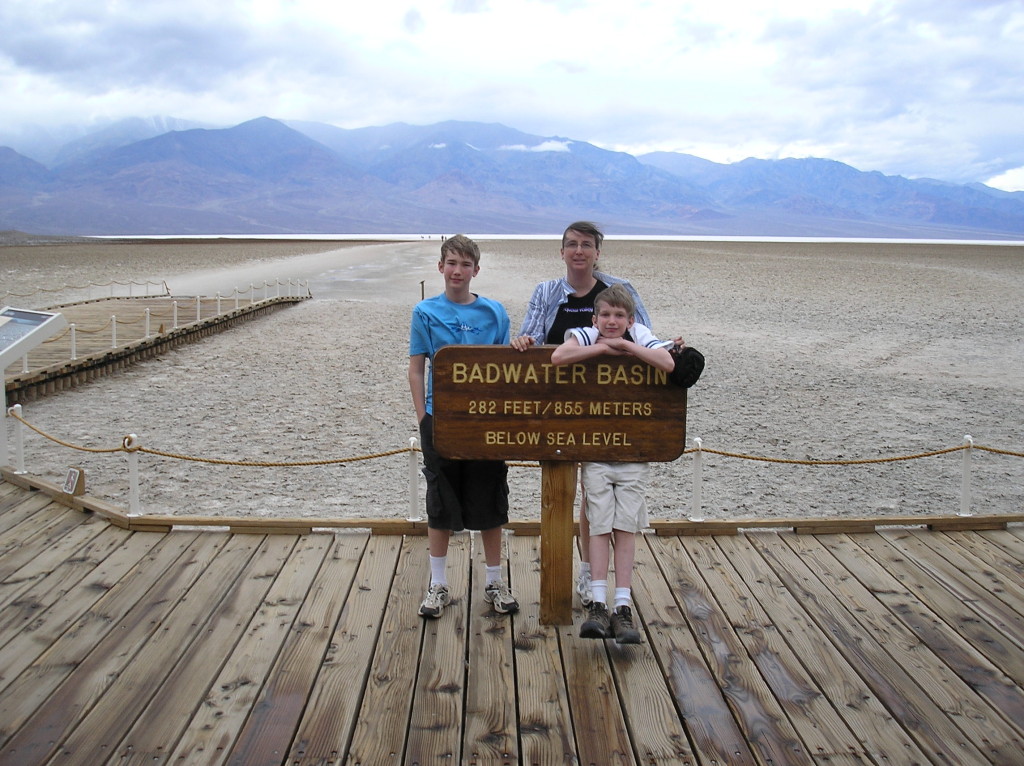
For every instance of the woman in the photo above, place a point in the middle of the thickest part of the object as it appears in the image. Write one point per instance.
(561, 304)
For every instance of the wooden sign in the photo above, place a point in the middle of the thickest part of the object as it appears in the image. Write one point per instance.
(496, 403)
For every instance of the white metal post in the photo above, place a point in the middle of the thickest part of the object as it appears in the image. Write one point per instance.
(698, 468)
(74, 342)
(19, 441)
(147, 320)
(218, 304)
(413, 480)
(965, 478)
(131, 443)
(199, 308)
(3, 428)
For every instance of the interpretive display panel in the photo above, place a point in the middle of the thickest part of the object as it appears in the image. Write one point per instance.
(21, 330)
(496, 403)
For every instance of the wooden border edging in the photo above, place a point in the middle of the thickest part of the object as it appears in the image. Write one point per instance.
(530, 527)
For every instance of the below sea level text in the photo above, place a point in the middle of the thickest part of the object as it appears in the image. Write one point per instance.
(559, 438)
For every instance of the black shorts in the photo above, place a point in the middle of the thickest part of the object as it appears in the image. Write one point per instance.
(462, 494)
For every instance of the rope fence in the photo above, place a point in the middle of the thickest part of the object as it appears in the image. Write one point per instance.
(89, 286)
(131, 446)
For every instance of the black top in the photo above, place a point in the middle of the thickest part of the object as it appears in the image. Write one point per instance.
(576, 312)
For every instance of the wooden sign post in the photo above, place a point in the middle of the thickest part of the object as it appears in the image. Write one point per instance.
(496, 403)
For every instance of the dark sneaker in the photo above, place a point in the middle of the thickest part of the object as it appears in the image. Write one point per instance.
(436, 600)
(583, 589)
(622, 626)
(596, 624)
(498, 595)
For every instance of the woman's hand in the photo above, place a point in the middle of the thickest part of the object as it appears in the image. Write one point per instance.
(522, 343)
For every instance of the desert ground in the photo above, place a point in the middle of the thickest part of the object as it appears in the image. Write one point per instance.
(820, 351)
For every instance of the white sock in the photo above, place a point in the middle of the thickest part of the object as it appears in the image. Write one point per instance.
(599, 590)
(493, 573)
(623, 597)
(437, 570)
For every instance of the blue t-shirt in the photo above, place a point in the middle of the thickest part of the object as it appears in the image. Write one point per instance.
(437, 322)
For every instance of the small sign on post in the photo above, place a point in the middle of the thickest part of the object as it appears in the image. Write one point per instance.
(74, 481)
(496, 403)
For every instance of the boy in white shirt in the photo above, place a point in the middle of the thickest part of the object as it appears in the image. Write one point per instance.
(616, 502)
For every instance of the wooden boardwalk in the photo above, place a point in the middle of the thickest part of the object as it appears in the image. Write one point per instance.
(111, 333)
(894, 646)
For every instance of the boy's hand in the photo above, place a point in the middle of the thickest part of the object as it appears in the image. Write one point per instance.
(615, 346)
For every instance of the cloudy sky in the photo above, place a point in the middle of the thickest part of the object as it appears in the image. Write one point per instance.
(919, 88)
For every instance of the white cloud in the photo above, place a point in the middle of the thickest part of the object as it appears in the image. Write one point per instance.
(544, 146)
(1011, 180)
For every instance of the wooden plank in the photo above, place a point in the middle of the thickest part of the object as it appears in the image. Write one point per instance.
(435, 725)
(490, 733)
(82, 664)
(1001, 573)
(764, 724)
(154, 659)
(381, 727)
(234, 692)
(822, 731)
(997, 575)
(649, 708)
(849, 616)
(601, 734)
(36, 533)
(10, 496)
(1004, 547)
(830, 527)
(713, 730)
(20, 513)
(267, 735)
(49, 577)
(975, 692)
(167, 714)
(68, 630)
(878, 739)
(966, 523)
(333, 704)
(545, 725)
(993, 628)
(1018, 532)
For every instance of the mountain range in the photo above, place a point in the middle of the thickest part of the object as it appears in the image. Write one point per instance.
(167, 177)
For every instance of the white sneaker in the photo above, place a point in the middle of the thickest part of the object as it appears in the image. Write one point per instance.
(500, 597)
(435, 601)
(583, 589)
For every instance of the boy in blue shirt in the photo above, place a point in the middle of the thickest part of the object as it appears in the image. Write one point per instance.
(461, 494)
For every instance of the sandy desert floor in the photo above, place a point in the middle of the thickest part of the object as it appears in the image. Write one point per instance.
(817, 351)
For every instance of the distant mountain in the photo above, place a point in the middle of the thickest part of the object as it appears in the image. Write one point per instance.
(57, 146)
(269, 177)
